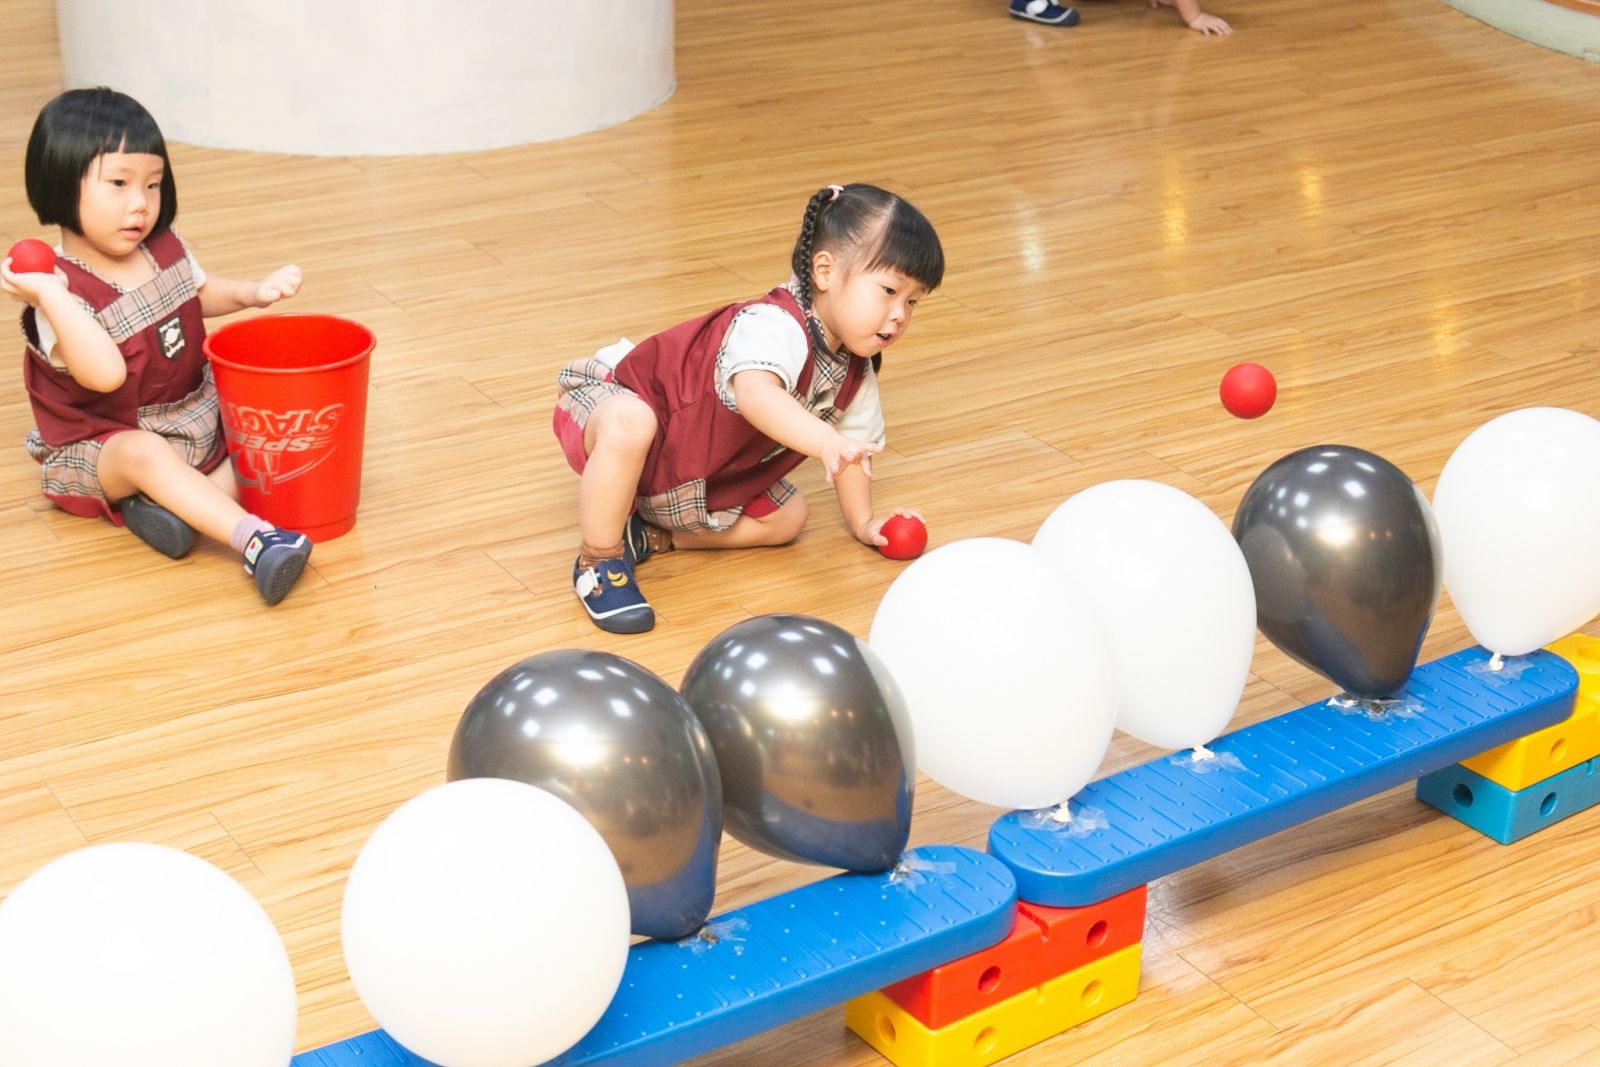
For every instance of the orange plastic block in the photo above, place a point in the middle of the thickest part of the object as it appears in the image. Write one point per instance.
(1531, 759)
(1002, 1029)
(1044, 943)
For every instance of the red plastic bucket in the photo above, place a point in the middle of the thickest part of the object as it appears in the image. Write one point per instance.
(294, 405)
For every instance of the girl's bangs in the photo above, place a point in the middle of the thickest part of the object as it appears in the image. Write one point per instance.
(908, 245)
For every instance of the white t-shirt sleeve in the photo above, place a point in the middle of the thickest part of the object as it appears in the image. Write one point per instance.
(863, 418)
(761, 337)
(47, 332)
(47, 337)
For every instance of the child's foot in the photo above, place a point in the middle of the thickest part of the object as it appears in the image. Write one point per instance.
(640, 540)
(1046, 11)
(275, 559)
(156, 526)
(611, 596)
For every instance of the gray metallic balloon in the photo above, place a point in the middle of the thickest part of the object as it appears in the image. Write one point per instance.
(812, 739)
(1345, 557)
(621, 746)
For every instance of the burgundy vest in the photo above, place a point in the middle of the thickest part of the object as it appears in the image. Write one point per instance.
(697, 436)
(165, 363)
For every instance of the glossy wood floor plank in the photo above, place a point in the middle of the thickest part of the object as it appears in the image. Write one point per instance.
(1390, 205)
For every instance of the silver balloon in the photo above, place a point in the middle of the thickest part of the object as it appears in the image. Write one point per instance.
(621, 746)
(1345, 558)
(813, 741)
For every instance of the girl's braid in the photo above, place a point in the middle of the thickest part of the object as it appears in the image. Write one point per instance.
(805, 246)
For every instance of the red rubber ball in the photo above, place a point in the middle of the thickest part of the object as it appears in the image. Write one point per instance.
(1248, 390)
(29, 256)
(907, 537)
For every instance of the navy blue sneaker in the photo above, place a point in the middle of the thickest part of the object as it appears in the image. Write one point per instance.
(1045, 11)
(635, 545)
(611, 596)
(156, 526)
(275, 559)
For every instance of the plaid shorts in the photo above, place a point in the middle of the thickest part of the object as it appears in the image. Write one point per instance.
(69, 476)
(582, 385)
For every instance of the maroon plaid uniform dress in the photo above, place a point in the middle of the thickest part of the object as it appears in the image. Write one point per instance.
(707, 462)
(159, 330)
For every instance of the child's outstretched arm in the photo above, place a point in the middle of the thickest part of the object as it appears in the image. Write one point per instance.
(854, 490)
(1195, 19)
(224, 296)
(82, 344)
(767, 405)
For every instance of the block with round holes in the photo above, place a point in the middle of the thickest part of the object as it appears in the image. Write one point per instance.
(1045, 943)
(1520, 763)
(1509, 815)
(1002, 1029)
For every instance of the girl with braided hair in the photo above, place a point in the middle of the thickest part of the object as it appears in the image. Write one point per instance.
(684, 440)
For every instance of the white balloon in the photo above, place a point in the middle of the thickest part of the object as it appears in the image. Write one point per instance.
(141, 956)
(1175, 595)
(1518, 505)
(1004, 672)
(486, 924)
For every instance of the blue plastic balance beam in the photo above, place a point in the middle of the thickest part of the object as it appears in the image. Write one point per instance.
(1163, 816)
(778, 960)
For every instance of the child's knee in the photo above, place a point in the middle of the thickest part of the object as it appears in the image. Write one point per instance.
(624, 421)
(135, 452)
(787, 522)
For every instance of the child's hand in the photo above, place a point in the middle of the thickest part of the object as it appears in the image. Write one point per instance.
(872, 532)
(28, 288)
(279, 285)
(1210, 24)
(842, 451)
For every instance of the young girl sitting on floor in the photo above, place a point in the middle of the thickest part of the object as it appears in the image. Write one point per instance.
(684, 440)
(125, 407)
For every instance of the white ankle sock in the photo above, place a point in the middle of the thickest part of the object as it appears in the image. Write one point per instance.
(247, 528)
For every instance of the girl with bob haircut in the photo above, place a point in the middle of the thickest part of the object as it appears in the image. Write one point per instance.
(684, 440)
(125, 409)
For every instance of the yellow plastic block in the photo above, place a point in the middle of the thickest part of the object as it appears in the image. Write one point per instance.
(1002, 1029)
(1519, 764)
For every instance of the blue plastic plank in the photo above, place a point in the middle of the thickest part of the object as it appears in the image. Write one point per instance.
(777, 960)
(374, 1049)
(1164, 816)
(1509, 815)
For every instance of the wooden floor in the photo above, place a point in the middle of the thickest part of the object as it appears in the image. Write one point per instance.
(1392, 206)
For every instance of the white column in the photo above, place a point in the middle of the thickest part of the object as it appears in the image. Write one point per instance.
(373, 77)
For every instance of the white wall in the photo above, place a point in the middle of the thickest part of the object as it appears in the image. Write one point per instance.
(373, 77)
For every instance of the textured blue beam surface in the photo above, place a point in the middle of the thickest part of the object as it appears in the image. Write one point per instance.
(776, 961)
(1165, 815)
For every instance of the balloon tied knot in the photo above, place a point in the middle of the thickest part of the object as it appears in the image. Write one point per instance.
(1201, 753)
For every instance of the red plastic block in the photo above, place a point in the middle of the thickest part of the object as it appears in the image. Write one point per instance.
(1044, 943)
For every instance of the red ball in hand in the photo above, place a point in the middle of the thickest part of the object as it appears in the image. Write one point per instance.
(29, 256)
(1248, 390)
(907, 537)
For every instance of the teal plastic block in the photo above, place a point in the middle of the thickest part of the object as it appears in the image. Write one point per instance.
(1509, 815)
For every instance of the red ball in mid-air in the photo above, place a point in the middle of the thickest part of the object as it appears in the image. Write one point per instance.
(1248, 390)
(907, 537)
(30, 256)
